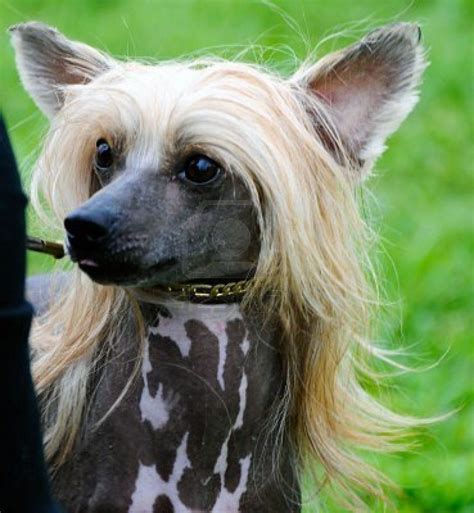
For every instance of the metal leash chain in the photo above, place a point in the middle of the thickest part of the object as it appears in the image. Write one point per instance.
(55, 249)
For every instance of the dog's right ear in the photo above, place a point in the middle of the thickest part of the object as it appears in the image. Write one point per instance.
(48, 62)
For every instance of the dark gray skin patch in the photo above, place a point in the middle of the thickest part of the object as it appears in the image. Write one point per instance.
(163, 505)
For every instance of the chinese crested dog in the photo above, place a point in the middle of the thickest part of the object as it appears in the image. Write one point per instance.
(209, 344)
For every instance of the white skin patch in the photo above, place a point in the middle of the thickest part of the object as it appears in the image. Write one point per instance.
(156, 409)
(149, 484)
(239, 422)
(245, 345)
(219, 331)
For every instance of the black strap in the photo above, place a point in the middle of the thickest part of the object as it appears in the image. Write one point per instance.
(24, 486)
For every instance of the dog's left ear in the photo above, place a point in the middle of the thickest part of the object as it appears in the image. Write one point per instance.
(48, 62)
(366, 91)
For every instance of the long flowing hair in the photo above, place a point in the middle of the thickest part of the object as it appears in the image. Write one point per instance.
(314, 269)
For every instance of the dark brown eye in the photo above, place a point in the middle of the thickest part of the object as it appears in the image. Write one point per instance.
(104, 156)
(201, 170)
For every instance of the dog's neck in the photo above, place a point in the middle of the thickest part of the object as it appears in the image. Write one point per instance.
(193, 434)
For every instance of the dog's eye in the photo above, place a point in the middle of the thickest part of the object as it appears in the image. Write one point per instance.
(104, 156)
(201, 170)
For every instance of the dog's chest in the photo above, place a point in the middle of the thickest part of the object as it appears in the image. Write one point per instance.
(194, 379)
(184, 437)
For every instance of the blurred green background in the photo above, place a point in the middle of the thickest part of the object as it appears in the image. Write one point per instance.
(425, 212)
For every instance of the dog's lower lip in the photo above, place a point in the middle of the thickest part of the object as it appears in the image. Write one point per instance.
(87, 262)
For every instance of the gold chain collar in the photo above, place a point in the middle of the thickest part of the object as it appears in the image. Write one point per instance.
(183, 291)
(205, 291)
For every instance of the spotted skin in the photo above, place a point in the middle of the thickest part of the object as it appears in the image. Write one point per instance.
(191, 435)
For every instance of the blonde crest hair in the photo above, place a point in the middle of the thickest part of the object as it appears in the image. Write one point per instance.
(314, 270)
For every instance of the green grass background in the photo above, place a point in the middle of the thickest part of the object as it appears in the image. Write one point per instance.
(424, 186)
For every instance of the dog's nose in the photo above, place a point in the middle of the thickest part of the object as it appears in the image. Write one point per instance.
(86, 229)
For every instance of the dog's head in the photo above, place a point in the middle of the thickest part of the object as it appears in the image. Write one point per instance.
(183, 171)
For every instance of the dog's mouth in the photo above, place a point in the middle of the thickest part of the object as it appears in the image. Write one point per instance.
(120, 272)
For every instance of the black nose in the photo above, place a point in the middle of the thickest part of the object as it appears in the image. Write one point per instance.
(85, 229)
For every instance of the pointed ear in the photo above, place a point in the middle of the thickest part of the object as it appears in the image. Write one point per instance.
(366, 91)
(48, 62)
